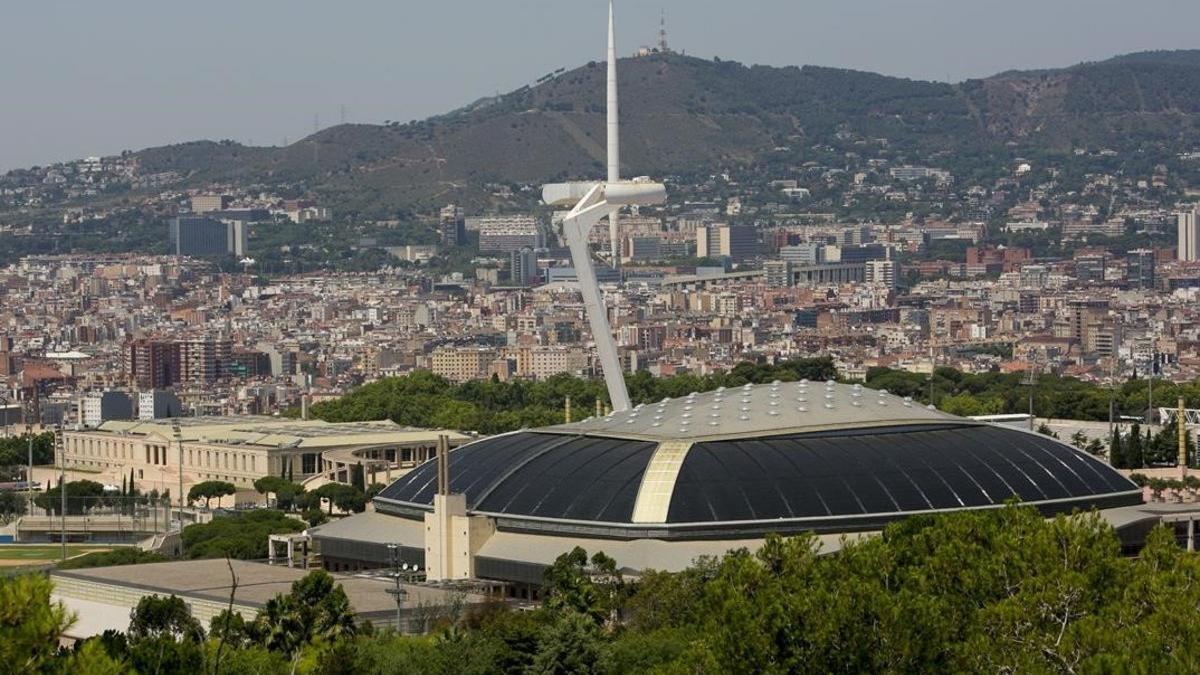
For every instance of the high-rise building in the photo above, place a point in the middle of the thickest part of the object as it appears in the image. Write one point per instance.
(707, 245)
(249, 363)
(1089, 268)
(1189, 236)
(645, 248)
(806, 253)
(523, 267)
(110, 405)
(511, 236)
(1139, 270)
(861, 254)
(204, 359)
(203, 236)
(8, 364)
(452, 225)
(855, 236)
(882, 272)
(778, 273)
(152, 364)
(736, 242)
(157, 404)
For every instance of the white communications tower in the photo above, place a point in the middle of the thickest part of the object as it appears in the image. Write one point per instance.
(592, 202)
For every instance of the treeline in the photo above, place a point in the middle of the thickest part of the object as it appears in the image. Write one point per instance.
(969, 592)
(423, 399)
(14, 452)
(1054, 396)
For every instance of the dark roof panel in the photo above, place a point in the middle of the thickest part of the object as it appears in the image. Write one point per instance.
(881, 471)
(536, 474)
(866, 476)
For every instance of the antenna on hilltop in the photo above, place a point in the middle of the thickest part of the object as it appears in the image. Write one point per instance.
(662, 32)
(316, 146)
(342, 111)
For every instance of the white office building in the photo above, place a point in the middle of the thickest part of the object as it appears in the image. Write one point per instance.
(1189, 236)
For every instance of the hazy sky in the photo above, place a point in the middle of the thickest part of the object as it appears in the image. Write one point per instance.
(92, 77)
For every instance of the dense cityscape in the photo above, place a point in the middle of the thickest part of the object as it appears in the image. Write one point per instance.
(865, 374)
(698, 287)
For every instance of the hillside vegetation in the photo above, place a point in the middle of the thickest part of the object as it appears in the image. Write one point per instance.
(684, 115)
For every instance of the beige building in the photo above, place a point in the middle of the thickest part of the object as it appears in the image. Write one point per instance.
(241, 449)
(546, 361)
(210, 203)
(462, 364)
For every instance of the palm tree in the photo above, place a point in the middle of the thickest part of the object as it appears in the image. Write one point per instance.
(336, 618)
(280, 625)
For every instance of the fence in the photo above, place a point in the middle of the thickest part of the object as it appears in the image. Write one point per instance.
(103, 519)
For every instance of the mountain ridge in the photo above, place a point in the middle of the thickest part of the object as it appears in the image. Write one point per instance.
(684, 115)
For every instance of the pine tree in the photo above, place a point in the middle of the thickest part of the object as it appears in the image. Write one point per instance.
(1116, 454)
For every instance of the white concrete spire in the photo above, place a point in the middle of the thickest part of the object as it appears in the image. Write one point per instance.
(593, 201)
(614, 138)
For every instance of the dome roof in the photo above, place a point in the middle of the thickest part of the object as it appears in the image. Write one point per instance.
(868, 459)
(760, 409)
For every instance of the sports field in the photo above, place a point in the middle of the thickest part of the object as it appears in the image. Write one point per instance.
(13, 555)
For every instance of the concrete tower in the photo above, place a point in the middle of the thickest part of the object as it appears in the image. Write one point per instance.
(614, 140)
(594, 201)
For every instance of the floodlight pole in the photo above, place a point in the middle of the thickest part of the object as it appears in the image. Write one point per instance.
(179, 444)
(1150, 382)
(398, 592)
(29, 473)
(62, 483)
(1031, 377)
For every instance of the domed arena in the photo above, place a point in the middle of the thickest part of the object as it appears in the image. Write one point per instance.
(659, 485)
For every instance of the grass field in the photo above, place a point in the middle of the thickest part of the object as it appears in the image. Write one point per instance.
(32, 554)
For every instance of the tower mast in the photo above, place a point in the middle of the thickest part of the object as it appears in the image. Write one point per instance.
(614, 140)
(662, 33)
(592, 202)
